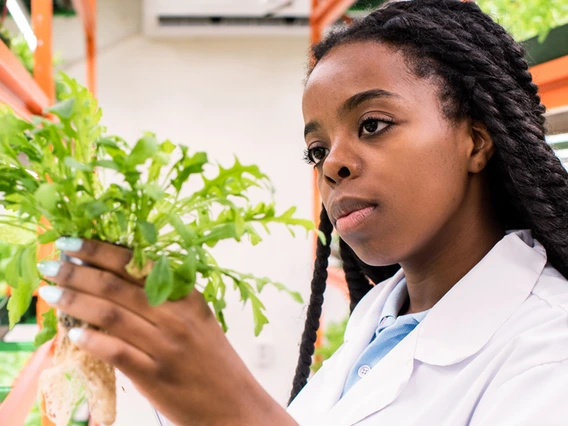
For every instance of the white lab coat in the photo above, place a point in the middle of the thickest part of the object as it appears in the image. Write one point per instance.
(492, 352)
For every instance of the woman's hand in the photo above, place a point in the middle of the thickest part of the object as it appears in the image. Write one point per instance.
(176, 354)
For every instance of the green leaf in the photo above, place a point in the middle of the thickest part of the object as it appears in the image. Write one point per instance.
(46, 195)
(185, 277)
(167, 147)
(107, 164)
(186, 232)
(153, 191)
(63, 109)
(121, 219)
(16, 235)
(190, 165)
(259, 318)
(22, 267)
(295, 295)
(160, 282)
(20, 300)
(148, 231)
(77, 165)
(94, 209)
(13, 269)
(48, 236)
(49, 328)
(239, 226)
(143, 150)
(28, 262)
(108, 143)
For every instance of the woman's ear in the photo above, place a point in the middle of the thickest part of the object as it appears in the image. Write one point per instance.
(482, 149)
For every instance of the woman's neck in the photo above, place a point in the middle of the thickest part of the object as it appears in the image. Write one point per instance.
(447, 258)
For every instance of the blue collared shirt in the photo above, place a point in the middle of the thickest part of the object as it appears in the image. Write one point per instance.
(390, 331)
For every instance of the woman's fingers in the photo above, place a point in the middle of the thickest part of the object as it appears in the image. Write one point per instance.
(102, 255)
(114, 351)
(113, 318)
(100, 283)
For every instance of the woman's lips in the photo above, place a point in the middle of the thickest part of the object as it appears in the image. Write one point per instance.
(350, 222)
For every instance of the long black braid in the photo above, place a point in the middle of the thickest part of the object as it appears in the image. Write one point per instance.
(481, 74)
(316, 301)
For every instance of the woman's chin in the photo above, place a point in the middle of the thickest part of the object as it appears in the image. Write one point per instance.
(374, 256)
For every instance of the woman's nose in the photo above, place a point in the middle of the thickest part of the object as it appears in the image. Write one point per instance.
(340, 164)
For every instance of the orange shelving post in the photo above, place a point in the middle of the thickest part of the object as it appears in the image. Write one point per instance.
(552, 80)
(87, 10)
(42, 24)
(18, 80)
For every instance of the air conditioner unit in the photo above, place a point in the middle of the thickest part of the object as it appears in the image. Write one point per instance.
(186, 18)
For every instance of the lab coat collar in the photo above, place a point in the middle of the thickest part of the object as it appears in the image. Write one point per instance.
(458, 326)
(464, 320)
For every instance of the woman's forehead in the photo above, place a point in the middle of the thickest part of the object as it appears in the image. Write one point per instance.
(359, 67)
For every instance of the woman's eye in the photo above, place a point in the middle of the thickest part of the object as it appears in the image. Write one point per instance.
(315, 155)
(372, 126)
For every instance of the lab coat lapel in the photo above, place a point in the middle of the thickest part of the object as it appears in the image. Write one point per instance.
(324, 389)
(379, 388)
(357, 336)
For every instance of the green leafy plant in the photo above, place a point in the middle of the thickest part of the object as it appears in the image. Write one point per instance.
(527, 18)
(49, 169)
(167, 204)
(333, 339)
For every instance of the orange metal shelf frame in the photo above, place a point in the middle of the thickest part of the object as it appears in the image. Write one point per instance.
(87, 10)
(26, 96)
(552, 80)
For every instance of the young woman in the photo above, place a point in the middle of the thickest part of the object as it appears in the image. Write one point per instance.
(427, 135)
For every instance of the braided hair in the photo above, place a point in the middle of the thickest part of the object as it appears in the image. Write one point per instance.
(481, 74)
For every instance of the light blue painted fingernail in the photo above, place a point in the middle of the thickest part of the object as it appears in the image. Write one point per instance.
(49, 268)
(50, 294)
(75, 334)
(69, 243)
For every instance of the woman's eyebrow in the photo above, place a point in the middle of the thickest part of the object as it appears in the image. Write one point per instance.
(350, 104)
(357, 99)
(312, 126)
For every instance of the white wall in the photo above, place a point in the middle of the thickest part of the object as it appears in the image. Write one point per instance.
(225, 96)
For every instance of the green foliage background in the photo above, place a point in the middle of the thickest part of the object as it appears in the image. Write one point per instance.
(527, 18)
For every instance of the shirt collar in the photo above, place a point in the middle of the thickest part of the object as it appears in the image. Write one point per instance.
(396, 300)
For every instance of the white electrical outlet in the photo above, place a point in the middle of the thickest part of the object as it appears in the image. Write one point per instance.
(264, 358)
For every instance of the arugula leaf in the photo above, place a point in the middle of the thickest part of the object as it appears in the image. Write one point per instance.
(74, 164)
(148, 230)
(20, 300)
(143, 150)
(48, 236)
(160, 282)
(46, 196)
(63, 109)
(49, 328)
(16, 235)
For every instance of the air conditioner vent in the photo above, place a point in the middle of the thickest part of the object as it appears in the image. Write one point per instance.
(237, 21)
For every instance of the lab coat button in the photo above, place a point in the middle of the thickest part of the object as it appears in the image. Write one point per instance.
(363, 370)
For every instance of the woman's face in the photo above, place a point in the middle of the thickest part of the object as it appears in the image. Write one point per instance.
(384, 148)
